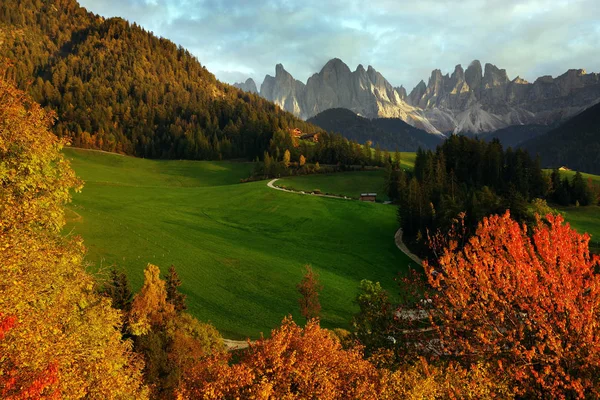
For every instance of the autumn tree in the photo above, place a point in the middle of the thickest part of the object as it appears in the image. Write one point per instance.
(150, 307)
(302, 160)
(294, 362)
(286, 158)
(309, 288)
(173, 295)
(171, 342)
(527, 302)
(60, 320)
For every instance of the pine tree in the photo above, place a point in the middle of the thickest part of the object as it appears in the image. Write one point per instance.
(173, 295)
(118, 289)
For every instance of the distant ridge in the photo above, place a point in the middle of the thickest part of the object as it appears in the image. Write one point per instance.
(574, 144)
(389, 133)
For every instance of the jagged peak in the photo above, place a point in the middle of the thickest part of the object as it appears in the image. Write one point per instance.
(519, 80)
(544, 79)
(492, 71)
(360, 68)
(335, 63)
(574, 72)
(279, 69)
(475, 64)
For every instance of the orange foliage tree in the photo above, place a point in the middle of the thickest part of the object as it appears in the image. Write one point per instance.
(60, 321)
(309, 288)
(294, 363)
(526, 302)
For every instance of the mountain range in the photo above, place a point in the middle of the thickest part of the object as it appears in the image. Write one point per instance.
(478, 99)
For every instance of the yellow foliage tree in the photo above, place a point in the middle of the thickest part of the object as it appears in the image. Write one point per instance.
(150, 307)
(302, 160)
(286, 158)
(59, 320)
(36, 178)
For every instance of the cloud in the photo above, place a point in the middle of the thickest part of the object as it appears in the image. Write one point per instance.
(404, 40)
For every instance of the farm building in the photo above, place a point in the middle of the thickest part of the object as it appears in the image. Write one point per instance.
(368, 197)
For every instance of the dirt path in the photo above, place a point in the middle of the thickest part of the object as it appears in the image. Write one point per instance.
(272, 186)
(235, 344)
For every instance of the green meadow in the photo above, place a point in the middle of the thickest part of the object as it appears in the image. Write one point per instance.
(585, 219)
(350, 184)
(239, 248)
(570, 174)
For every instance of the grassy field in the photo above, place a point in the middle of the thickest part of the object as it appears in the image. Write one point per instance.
(570, 174)
(349, 184)
(585, 219)
(239, 248)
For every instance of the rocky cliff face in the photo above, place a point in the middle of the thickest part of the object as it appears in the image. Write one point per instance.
(366, 92)
(473, 100)
(248, 86)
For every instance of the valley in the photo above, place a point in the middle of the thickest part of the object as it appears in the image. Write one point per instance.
(226, 238)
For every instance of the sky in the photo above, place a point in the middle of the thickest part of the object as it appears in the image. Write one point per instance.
(404, 40)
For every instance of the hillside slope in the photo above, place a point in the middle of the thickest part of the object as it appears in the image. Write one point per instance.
(117, 87)
(575, 144)
(389, 133)
(238, 248)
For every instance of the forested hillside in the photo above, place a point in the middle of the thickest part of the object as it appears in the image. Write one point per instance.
(389, 133)
(117, 87)
(575, 144)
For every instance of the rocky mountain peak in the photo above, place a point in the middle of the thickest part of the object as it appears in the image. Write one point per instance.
(458, 74)
(402, 92)
(473, 75)
(335, 64)
(519, 81)
(248, 86)
(493, 76)
(280, 71)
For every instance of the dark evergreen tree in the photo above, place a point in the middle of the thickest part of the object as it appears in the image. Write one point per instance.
(173, 295)
(118, 289)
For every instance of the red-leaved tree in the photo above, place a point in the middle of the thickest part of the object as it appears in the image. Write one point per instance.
(530, 303)
(18, 383)
(309, 288)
